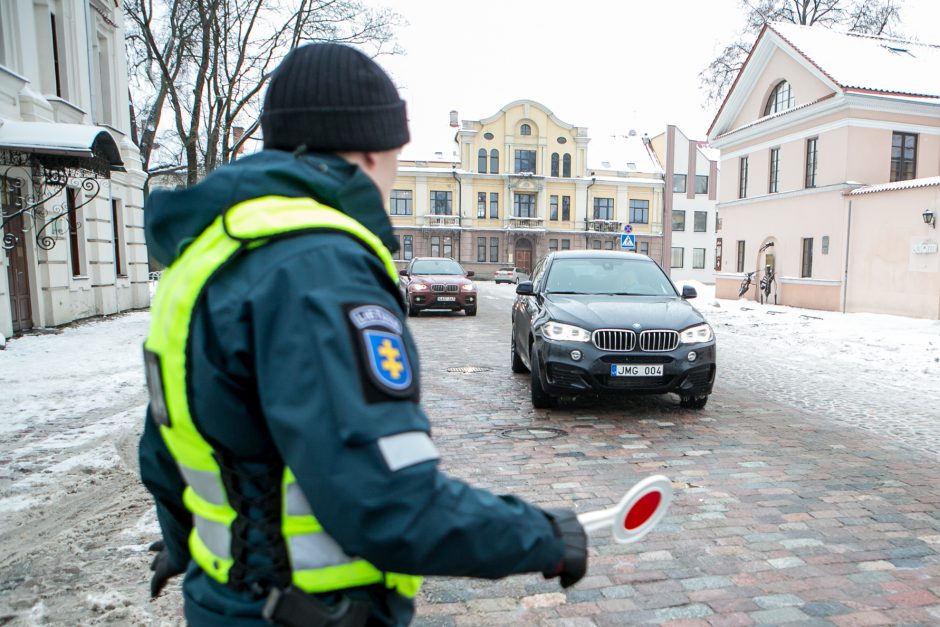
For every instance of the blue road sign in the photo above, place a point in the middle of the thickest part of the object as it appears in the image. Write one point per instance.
(628, 228)
(627, 240)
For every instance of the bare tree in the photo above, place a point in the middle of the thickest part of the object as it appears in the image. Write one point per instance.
(204, 64)
(873, 17)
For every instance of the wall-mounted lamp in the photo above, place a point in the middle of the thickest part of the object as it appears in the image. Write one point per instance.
(929, 218)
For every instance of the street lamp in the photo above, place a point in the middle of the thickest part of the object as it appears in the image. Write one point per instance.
(929, 218)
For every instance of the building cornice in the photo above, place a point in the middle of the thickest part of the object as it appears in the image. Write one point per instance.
(825, 189)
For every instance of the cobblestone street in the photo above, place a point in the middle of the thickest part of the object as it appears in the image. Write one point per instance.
(801, 498)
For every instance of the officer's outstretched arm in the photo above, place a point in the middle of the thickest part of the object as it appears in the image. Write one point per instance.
(339, 386)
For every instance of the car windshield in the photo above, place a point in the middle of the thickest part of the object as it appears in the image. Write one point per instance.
(607, 276)
(436, 266)
(505, 269)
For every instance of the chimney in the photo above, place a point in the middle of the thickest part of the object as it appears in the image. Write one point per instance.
(237, 133)
(453, 119)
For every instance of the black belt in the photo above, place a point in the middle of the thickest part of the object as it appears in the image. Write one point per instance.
(292, 607)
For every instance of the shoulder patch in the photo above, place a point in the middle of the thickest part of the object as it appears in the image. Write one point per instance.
(366, 316)
(388, 359)
(385, 368)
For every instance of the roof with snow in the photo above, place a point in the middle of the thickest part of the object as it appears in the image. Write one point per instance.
(867, 62)
(68, 140)
(932, 181)
(621, 152)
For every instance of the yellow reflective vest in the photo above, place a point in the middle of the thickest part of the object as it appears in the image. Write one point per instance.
(318, 564)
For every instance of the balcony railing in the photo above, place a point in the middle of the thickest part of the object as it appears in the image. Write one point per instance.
(605, 226)
(442, 220)
(525, 223)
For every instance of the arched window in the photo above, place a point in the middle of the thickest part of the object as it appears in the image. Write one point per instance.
(494, 161)
(525, 129)
(780, 99)
(481, 161)
(566, 166)
(554, 164)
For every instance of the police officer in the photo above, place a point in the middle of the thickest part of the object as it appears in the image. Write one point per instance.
(290, 461)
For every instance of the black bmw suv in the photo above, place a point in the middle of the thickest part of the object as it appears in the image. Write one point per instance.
(598, 322)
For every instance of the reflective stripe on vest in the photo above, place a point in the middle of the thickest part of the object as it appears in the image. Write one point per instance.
(318, 564)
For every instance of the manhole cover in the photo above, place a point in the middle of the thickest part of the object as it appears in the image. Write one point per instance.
(468, 369)
(533, 433)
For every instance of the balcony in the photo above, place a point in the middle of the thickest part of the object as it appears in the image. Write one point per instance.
(523, 224)
(442, 220)
(605, 226)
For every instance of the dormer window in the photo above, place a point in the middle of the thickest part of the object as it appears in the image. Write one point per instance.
(525, 129)
(780, 99)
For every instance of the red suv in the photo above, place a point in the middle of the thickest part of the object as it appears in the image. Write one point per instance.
(438, 283)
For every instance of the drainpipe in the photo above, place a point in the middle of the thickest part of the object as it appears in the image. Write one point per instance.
(845, 276)
(459, 207)
(587, 197)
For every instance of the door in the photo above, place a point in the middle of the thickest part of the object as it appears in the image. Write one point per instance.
(523, 255)
(18, 277)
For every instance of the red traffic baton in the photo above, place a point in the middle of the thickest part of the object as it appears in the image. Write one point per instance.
(640, 509)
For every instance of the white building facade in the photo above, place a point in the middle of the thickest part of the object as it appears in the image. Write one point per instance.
(70, 179)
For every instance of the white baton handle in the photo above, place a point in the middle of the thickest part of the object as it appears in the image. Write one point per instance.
(640, 509)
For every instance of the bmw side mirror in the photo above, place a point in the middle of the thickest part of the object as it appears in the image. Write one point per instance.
(688, 292)
(469, 273)
(403, 273)
(524, 288)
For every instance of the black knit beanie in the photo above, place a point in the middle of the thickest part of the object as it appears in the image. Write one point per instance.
(332, 98)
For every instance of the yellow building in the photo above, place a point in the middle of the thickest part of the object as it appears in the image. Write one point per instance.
(523, 183)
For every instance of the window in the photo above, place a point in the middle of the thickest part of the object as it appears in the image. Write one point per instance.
(523, 205)
(701, 222)
(441, 203)
(810, 162)
(639, 211)
(481, 204)
(400, 202)
(525, 161)
(678, 257)
(552, 245)
(603, 208)
(553, 207)
(825, 244)
(780, 99)
(58, 61)
(644, 247)
(481, 249)
(566, 244)
(566, 208)
(481, 161)
(554, 164)
(774, 171)
(75, 258)
(701, 183)
(678, 183)
(698, 258)
(117, 228)
(525, 129)
(494, 205)
(742, 178)
(740, 261)
(494, 161)
(596, 244)
(397, 253)
(3, 56)
(903, 156)
(806, 268)
(566, 166)
(408, 247)
(678, 220)
(608, 245)
(435, 246)
(494, 249)
(448, 247)
(104, 81)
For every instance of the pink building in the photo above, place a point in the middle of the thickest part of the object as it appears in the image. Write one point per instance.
(830, 160)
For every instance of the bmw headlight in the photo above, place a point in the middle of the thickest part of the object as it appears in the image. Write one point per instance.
(561, 332)
(467, 287)
(418, 287)
(698, 333)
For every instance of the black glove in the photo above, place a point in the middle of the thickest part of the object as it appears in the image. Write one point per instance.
(163, 568)
(573, 564)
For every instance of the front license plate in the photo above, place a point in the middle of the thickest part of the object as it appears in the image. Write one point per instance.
(636, 370)
(446, 299)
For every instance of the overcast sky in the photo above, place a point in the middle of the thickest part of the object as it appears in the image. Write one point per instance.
(609, 65)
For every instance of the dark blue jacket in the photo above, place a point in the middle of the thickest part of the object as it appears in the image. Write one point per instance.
(274, 377)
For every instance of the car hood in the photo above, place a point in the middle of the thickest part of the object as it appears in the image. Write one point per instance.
(622, 312)
(440, 278)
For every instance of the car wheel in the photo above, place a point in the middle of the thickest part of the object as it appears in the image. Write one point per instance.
(540, 398)
(471, 311)
(516, 362)
(693, 402)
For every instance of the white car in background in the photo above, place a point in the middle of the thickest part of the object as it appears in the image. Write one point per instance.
(510, 275)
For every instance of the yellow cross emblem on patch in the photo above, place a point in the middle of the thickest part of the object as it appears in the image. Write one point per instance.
(390, 359)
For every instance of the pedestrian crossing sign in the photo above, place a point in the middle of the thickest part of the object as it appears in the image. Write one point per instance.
(628, 240)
